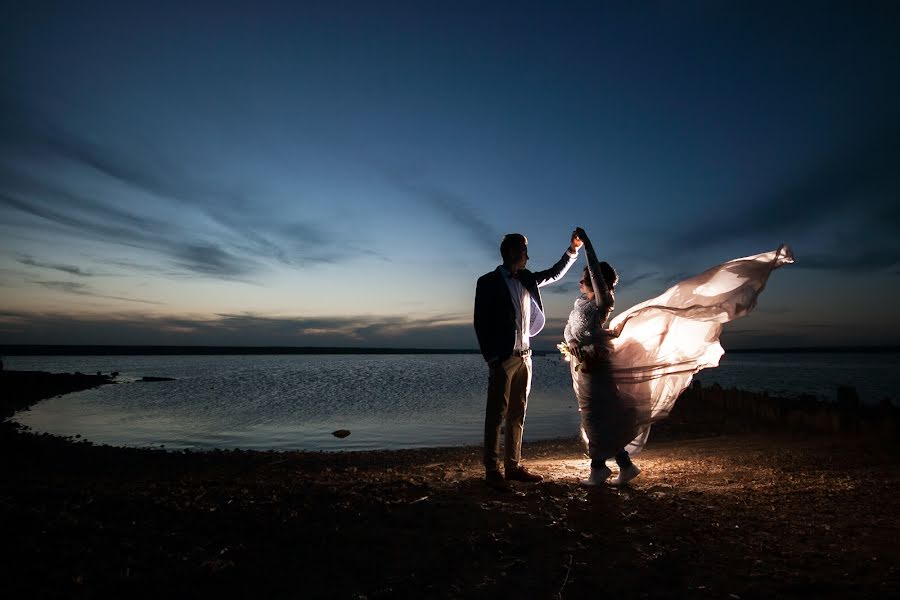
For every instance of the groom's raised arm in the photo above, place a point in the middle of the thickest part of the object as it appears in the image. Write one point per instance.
(557, 271)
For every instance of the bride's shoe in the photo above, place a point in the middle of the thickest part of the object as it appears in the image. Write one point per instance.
(626, 474)
(597, 476)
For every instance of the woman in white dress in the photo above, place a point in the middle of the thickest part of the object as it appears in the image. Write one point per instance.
(607, 422)
(628, 373)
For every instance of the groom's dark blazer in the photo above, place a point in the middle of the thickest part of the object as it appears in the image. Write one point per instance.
(495, 315)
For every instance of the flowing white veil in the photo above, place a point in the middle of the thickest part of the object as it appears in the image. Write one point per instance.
(663, 342)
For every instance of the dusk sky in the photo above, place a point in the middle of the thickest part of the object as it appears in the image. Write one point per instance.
(340, 173)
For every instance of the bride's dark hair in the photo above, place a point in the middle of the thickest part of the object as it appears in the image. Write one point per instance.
(609, 275)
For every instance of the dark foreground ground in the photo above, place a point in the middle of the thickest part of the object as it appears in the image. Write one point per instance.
(740, 515)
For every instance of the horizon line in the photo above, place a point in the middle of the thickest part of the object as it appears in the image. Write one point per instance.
(168, 349)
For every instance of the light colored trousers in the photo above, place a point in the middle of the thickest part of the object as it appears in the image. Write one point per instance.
(509, 382)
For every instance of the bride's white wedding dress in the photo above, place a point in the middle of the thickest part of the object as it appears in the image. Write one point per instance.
(657, 346)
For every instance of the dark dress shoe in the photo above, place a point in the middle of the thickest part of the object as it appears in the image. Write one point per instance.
(523, 474)
(495, 480)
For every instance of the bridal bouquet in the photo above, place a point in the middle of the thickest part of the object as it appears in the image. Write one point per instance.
(567, 354)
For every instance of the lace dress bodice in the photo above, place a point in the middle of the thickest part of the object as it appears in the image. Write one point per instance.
(586, 321)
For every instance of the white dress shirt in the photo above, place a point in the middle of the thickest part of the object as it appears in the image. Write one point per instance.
(529, 316)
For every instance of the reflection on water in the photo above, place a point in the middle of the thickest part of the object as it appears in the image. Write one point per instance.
(284, 402)
(386, 401)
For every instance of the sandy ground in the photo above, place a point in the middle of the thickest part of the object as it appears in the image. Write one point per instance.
(751, 515)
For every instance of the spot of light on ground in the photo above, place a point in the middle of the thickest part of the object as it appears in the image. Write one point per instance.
(573, 467)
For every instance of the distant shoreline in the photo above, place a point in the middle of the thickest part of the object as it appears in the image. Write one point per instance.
(110, 350)
(818, 350)
(106, 350)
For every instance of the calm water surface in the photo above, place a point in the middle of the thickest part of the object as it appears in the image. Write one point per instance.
(386, 401)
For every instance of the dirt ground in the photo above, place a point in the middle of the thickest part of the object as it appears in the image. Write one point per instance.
(750, 515)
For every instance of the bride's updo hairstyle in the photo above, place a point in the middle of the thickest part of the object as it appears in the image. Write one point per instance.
(609, 275)
(511, 240)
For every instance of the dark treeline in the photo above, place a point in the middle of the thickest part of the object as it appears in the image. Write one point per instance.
(819, 350)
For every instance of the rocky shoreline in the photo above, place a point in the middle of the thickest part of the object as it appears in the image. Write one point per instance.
(748, 508)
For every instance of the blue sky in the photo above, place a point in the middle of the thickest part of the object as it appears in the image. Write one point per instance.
(341, 173)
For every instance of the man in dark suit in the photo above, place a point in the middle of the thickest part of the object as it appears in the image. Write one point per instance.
(509, 311)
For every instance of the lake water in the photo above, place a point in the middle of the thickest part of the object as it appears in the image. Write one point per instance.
(386, 401)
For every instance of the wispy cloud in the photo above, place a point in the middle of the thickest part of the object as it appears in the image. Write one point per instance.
(205, 259)
(70, 287)
(440, 331)
(81, 289)
(451, 205)
(27, 128)
(211, 259)
(87, 224)
(70, 269)
(398, 331)
(245, 238)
